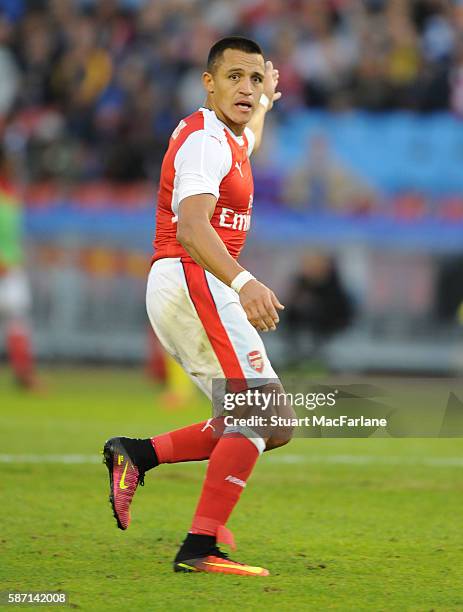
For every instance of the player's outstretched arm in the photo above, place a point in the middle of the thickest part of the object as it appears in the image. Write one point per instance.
(271, 95)
(196, 234)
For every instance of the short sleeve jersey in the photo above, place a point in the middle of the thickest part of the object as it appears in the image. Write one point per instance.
(204, 156)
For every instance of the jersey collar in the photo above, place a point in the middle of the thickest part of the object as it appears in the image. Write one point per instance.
(238, 139)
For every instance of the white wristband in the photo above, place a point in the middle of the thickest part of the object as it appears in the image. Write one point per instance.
(240, 280)
(264, 101)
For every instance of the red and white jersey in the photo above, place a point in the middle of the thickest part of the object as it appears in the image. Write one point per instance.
(204, 156)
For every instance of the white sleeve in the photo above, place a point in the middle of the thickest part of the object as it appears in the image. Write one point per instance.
(201, 163)
(251, 140)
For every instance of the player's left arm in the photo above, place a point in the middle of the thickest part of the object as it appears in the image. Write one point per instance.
(256, 124)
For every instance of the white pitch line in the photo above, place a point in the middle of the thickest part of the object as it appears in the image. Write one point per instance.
(75, 459)
(277, 459)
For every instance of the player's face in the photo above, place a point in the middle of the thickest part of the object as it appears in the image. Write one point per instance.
(235, 88)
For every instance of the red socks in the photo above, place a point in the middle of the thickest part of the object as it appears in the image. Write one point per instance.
(230, 465)
(231, 461)
(20, 354)
(193, 443)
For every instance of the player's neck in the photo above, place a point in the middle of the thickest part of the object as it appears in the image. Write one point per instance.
(234, 127)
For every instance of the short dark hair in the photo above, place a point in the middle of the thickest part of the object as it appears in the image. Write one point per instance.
(230, 42)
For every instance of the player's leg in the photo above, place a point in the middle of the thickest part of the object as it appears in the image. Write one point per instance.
(14, 306)
(128, 459)
(196, 343)
(201, 323)
(243, 359)
(230, 466)
(177, 326)
(19, 353)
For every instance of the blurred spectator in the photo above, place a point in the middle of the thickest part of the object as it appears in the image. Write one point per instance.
(290, 81)
(317, 303)
(94, 88)
(321, 182)
(456, 83)
(325, 59)
(449, 290)
(9, 73)
(267, 174)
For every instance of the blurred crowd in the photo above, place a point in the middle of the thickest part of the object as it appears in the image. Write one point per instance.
(93, 88)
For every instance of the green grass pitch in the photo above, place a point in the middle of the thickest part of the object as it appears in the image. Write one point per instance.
(342, 524)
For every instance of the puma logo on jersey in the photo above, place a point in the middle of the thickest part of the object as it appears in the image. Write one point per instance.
(237, 165)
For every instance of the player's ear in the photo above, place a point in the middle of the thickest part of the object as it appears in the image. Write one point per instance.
(208, 82)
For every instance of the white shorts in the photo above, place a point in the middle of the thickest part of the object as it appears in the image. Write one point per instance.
(15, 297)
(199, 320)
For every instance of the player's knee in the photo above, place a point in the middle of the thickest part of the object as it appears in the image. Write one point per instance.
(281, 440)
(284, 431)
(282, 436)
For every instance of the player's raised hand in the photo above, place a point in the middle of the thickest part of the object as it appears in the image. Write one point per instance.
(271, 83)
(260, 305)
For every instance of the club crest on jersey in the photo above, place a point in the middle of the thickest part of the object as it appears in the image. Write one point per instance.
(256, 361)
